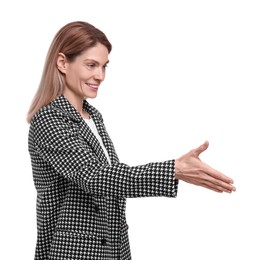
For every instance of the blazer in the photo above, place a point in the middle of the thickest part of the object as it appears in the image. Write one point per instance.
(81, 198)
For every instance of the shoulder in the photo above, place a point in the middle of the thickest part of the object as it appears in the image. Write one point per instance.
(52, 124)
(48, 115)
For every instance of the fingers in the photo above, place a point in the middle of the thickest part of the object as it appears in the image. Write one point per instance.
(209, 184)
(213, 184)
(218, 176)
(220, 187)
(201, 148)
(211, 188)
(215, 188)
(219, 181)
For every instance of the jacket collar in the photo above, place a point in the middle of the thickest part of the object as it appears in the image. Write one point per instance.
(63, 104)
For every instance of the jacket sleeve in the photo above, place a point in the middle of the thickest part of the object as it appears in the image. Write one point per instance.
(58, 143)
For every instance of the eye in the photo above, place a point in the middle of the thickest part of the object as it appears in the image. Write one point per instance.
(90, 65)
(105, 66)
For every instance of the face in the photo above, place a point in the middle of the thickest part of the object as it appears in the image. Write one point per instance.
(84, 75)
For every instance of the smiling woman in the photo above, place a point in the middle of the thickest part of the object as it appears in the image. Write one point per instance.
(83, 75)
(81, 184)
(77, 43)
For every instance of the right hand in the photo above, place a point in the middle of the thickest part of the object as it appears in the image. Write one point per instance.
(191, 169)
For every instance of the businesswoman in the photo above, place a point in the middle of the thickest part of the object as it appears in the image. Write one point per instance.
(81, 184)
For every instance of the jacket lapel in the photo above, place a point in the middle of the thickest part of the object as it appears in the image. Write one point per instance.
(98, 120)
(63, 104)
(91, 139)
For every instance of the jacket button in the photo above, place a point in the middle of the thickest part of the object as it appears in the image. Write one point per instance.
(104, 242)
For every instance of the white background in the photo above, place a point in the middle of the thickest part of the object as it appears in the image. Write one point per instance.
(181, 72)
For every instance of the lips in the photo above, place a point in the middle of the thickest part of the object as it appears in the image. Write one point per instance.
(93, 86)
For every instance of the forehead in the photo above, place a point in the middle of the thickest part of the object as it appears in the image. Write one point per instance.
(97, 53)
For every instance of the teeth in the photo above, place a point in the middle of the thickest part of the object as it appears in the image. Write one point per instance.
(92, 86)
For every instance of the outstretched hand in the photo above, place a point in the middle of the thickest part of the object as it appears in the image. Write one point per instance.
(191, 169)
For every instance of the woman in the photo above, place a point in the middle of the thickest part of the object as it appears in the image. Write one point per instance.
(81, 185)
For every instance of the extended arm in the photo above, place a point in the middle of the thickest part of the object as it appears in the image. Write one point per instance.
(55, 142)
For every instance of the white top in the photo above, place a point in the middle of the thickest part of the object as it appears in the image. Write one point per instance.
(92, 126)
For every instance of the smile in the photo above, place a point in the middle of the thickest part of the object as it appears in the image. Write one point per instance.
(92, 86)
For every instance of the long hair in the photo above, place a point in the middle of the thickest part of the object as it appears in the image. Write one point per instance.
(71, 40)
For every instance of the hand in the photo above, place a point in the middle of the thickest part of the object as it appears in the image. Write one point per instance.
(191, 169)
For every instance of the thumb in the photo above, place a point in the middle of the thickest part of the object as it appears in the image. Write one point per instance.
(201, 148)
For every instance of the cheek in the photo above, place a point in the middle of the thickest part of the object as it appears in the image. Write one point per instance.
(72, 78)
(71, 82)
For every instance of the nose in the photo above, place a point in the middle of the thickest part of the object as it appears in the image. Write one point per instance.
(99, 74)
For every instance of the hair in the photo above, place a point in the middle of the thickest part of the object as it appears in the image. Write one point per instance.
(71, 40)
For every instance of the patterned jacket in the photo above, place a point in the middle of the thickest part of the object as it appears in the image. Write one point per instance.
(81, 198)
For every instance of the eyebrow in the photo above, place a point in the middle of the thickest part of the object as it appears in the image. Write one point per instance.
(95, 61)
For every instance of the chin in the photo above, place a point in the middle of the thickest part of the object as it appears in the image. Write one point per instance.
(90, 96)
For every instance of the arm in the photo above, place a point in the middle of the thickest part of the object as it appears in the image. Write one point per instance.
(59, 143)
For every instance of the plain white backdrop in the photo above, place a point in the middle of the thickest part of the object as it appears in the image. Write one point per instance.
(180, 73)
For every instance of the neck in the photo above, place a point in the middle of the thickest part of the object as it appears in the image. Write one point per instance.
(77, 103)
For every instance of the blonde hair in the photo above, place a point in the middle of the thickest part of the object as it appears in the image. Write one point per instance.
(71, 40)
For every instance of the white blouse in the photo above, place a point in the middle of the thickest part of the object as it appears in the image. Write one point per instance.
(92, 126)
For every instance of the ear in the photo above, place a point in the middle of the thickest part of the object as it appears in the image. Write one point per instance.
(61, 62)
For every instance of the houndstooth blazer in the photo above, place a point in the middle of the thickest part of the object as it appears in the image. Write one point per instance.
(81, 199)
